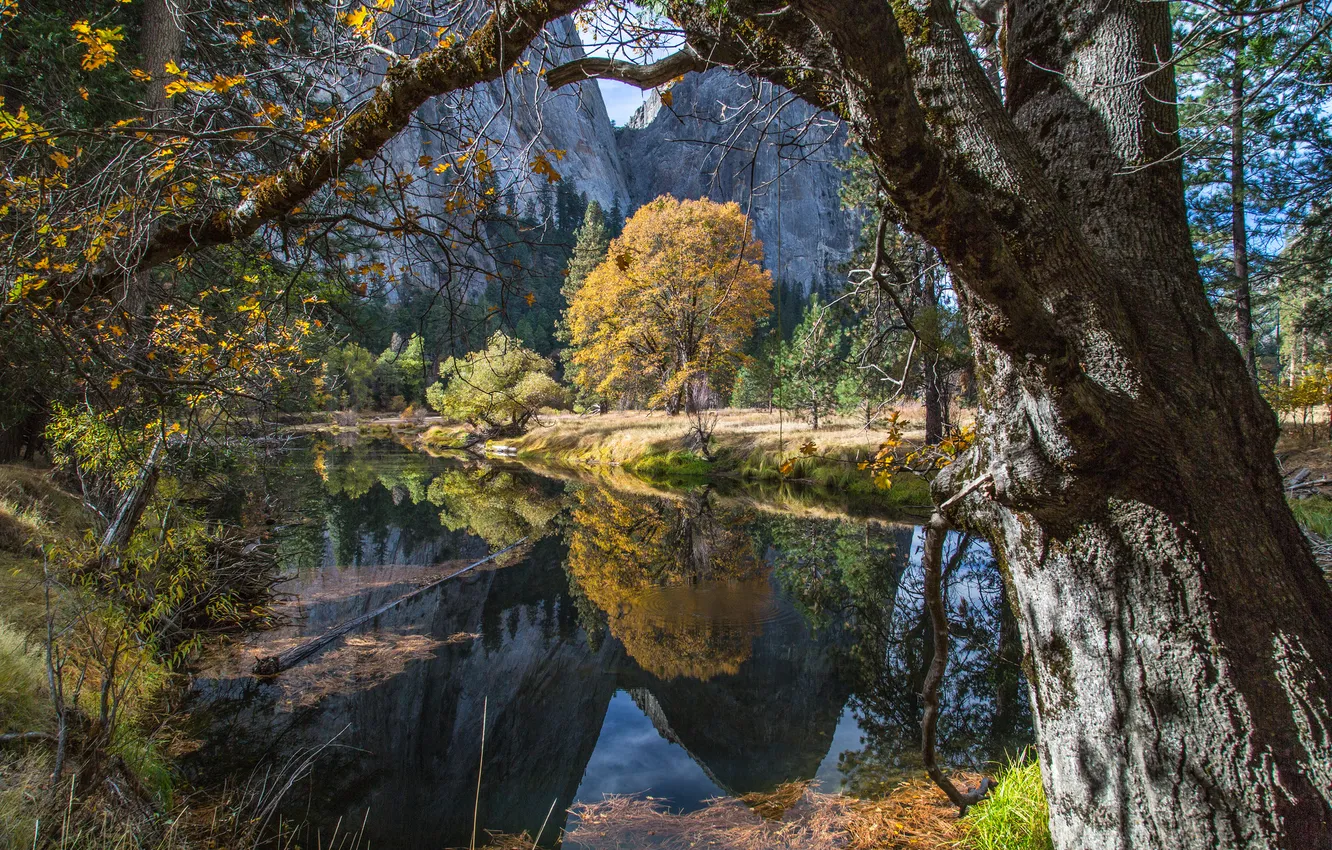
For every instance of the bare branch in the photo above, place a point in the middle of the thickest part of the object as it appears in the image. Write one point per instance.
(931, 561)
(642, 76)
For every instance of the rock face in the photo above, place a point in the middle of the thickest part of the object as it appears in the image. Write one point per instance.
(726, 137)
(718, 134)
(517, 117)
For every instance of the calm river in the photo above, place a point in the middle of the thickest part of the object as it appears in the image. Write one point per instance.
(679, 645)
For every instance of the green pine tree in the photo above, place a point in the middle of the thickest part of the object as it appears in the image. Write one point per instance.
(811, 364)
(591, 242)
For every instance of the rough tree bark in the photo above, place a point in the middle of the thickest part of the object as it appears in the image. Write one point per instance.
(1180, 636)
(162, 40)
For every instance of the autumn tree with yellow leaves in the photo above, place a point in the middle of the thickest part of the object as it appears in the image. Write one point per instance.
(662, 321)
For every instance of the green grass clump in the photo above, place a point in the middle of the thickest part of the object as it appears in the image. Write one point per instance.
(1014, 816)
(23, 706)
(674, 469)
(1314, 513)
(443, 438)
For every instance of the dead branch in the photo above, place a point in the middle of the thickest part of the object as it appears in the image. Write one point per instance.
(935, 532)
(271, 665)
(647, 76)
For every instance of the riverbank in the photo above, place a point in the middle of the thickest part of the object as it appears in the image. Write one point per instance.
(113, 784)
(747, 445)
(37, 520)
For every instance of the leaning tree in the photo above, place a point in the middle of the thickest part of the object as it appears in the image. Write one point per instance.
(1179, 633)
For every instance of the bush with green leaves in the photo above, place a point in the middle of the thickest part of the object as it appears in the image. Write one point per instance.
(498, 389)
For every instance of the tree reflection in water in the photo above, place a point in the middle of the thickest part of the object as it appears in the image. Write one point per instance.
(368, 487)
(867, 580)
(677, 578)
(738, 671)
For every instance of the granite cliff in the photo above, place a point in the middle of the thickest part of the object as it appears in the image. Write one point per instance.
(718, 134)
(723, 136)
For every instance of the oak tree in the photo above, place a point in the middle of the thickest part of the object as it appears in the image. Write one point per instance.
(664, 318)
(1180, 634)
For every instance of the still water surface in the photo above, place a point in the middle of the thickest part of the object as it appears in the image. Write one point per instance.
(679, 645)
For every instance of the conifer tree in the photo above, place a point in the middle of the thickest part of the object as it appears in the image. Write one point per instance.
(591, 242)
(812, 363)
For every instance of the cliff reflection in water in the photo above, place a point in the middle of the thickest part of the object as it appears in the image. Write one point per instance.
(676, 645)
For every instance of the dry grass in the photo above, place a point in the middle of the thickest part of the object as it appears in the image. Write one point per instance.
(625, 437)
(750, 445)
(915, 816)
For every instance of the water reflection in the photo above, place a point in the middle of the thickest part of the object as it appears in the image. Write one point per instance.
(680, 645)
(676, 578)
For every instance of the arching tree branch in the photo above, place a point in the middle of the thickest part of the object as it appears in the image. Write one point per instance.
(642, 76)
(489, 52)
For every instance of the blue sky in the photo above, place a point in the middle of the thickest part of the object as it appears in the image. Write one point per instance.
(621, 100)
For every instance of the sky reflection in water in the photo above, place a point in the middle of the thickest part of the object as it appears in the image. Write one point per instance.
(684, 646)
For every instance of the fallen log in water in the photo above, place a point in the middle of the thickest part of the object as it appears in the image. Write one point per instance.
(271, 665)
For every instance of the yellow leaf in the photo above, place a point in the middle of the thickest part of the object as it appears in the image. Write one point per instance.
(361, 21)
(60, 159)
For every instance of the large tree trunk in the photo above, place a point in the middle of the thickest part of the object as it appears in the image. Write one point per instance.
(162, 40)
(1179, 634)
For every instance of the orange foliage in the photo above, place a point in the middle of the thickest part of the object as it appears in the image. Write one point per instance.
(681, 585)
(668, 310)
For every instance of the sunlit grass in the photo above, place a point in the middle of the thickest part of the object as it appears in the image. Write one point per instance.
(747, 444)
(1014, 816)
(22, 527)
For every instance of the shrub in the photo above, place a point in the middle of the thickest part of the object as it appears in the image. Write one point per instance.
(498, 389)
(1015, 815)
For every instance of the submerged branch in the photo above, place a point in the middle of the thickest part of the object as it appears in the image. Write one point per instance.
(935, 532)
(271, 665)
